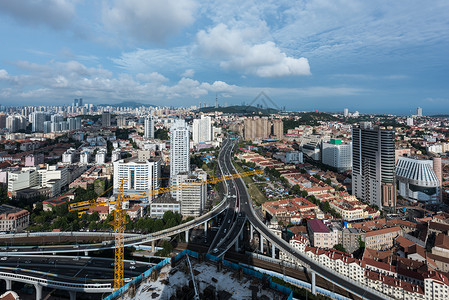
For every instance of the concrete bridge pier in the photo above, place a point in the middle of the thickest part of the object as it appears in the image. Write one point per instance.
(8, 284)
(236, 245)
(38, 291)
(153, 245)
(251, 231)
(205, 227)
(313, 283)
(261, 243)
(273, 250)
(72, 295)
(187, 236)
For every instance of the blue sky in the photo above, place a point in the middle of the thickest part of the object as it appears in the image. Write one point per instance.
(370, 56)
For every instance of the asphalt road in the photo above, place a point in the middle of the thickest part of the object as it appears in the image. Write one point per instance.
(246, 209)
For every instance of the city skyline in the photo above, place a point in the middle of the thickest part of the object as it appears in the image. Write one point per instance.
(374, 58)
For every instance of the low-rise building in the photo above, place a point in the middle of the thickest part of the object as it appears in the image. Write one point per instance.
(321, 236)
(162, 204)
(13, 218)
(382, 238)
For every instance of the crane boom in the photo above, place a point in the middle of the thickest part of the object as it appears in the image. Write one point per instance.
(120, 214)
(85, 205)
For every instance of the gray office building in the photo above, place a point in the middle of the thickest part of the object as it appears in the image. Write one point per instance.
(373, 162)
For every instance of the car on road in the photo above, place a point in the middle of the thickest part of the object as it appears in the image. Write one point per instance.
(215, 250)
(15, 250)
(4, 258)
(133, 262)
(76, 246)
(28, 261)
(132, 267)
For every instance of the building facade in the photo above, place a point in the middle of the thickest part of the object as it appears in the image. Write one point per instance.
(202, 130)
(373, 153)
(193, 195)
(417, 179)
(149, 128)
(337, 155)
(179, 151)
(141, 176)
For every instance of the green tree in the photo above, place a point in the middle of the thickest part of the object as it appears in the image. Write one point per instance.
(340, 247)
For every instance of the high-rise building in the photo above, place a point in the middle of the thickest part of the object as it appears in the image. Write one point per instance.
(2, 121)
(337, 155)
(192, 197)
(278, 129)
(419, 112)
(74, 123)
(57, 118)
(409, 121)
(48, 126)
(373, 163)
(202, 130)
(346, 112)
(38, 118)
(149, 128)
(121, 121)
(106, 119)
(15, 123)
(179, 150)
(78, 102)
(141, 176)
(256, 128)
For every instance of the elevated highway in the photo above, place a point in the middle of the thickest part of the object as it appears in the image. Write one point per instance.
(246, 210)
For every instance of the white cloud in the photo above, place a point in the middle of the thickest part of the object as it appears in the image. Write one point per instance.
(149, 20)
(236, 51)
(54, 13)
(152, 77)
(188, 73)
(147, 60)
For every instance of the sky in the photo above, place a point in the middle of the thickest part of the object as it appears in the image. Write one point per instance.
(325, 55)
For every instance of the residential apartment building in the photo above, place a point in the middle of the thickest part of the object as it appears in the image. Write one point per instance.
(106, 119)
(149, 128)
(320, 235)
(373, 152)
(383, 238)
(202, 130)
(179, 151)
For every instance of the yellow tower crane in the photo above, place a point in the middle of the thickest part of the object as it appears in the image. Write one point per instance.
(120, 214)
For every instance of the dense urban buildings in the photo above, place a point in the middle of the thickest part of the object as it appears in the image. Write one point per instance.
(337, 155)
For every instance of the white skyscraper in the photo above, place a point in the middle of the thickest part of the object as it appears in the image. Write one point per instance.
(141, 176)
(202, 130)
(149, 128)
(38, 119)
(419, 111)
(179, 150)
(346, 112)
(409, 121)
